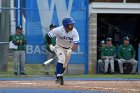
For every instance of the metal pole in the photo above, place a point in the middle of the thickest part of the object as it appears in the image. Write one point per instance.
(12, 15)
(21, 7)
(16, 4)
(139, 59)
(86, 47)
(21, 4)
(4, 35)
(124, 1)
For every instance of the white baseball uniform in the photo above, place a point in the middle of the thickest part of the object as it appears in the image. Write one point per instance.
(64, 41)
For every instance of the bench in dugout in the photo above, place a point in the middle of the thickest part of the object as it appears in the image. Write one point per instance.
(126, 68)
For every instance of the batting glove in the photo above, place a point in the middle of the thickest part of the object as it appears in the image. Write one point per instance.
(52, 47)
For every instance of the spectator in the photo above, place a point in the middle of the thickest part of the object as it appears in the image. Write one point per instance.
(50, 54)
(127, 55)
(108, 53)
(100, 60)
(19, 54)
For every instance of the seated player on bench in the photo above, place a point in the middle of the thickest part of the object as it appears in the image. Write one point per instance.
(127, 55)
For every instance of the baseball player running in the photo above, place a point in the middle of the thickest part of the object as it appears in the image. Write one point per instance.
(67, 40)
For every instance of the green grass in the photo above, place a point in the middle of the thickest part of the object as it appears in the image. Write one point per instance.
(30, 69)
(38, 69)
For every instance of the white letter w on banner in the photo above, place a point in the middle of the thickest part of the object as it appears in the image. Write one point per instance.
(46, 11)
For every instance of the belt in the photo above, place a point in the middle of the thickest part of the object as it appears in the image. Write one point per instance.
(63, 47)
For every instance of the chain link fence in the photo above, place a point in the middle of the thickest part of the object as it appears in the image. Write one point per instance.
(9, 18)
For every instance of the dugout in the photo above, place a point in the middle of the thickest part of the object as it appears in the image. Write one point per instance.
(113, 20)
(117, 26)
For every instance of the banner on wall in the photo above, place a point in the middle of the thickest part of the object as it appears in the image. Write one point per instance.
(41, 13)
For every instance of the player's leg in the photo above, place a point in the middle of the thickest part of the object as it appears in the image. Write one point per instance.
(59, 66)
(22, 54)
(16, 61)
(67, 58)
(120, 62)
(54, 62)
(59, 73)
(101, 65)
(134, 64)
(106, 65)
(112, 65)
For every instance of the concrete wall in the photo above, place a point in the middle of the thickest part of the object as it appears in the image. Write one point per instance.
(92, 55)
(75, 69)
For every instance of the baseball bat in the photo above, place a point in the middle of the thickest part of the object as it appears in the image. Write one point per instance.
(49, 61)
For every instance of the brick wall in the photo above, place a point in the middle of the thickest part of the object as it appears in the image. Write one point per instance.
(92, 53)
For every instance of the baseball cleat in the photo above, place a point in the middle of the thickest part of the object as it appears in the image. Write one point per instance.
(16, 73)
(47, 73)
(23, 73)
(58, 80)
(62, 81)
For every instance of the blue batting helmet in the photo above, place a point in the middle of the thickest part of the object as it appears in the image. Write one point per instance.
(66, 21)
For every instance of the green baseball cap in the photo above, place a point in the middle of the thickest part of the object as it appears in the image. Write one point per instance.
(126, 38)
(108, 39)
(102, 42)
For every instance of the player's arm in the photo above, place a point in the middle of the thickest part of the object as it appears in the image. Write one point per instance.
(74, 47)
(23, 41)
(15, 40)
(48, 40)
(75, 41)
(120, 52)
(51, 34)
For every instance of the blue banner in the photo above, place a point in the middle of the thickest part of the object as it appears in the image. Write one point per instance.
(41, 13)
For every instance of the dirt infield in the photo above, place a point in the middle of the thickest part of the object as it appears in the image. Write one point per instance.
(108, 86)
